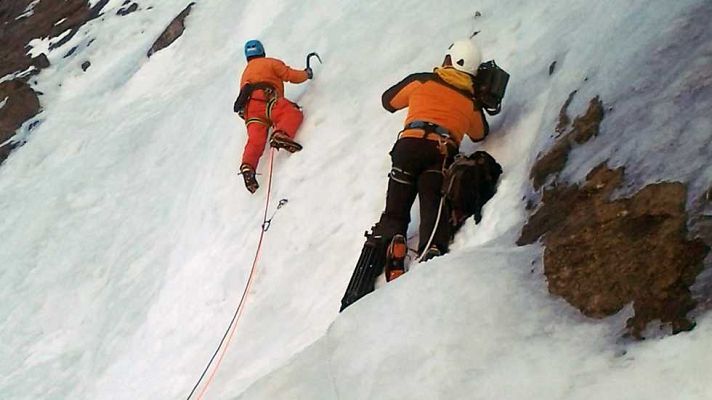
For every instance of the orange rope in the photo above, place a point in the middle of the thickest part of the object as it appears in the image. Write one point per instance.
(240, 307)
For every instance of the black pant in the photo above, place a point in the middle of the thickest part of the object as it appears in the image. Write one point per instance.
(417, 170)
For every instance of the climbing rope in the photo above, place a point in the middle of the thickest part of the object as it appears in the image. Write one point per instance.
(432, 234)
(437, 220)
(232, 327)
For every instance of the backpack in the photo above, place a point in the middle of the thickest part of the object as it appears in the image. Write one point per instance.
(469, 183)
(490, 84)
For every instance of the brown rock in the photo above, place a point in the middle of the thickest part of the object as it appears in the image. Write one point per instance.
(40, 62)
(22, 104)
(44, 21)
(564, 119)
(127, 10)
(583, 128)
(174, 30)
(701, 226)
(601, 254)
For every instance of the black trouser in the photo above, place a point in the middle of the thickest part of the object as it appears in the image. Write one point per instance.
(417, 170)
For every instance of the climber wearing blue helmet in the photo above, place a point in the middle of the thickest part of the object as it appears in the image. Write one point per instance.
(262, 105)
(254, 48)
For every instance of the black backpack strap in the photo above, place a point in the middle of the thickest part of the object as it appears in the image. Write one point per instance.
(243, 98)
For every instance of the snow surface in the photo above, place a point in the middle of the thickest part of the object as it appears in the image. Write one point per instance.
(128, 236)
(29, 10)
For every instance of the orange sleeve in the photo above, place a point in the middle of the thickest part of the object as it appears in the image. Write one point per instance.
(287, 74)
(478, 128)
(397, 96)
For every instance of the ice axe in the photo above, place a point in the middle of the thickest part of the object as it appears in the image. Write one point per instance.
(310, 55)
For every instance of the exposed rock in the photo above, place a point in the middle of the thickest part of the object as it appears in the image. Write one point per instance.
(40, 62)
(584, 128)
(701, 226)
(71, 51)
(601, 254)
(127, 10)
(552, 68)
(47, 19)
(174, 30)
(22, 104)
(79, 21)
(86, 65)
(44, 22)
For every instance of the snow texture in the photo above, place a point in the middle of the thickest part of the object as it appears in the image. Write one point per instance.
(128, 236)
(29, 10)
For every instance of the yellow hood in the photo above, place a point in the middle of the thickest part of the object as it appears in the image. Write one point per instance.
(456, 78)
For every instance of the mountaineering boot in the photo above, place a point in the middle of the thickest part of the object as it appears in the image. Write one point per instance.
(395, 257)
(248, 174)
(432, 252)
(280, 140)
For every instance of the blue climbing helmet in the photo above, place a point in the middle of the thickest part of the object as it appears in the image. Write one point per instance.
(254, 48)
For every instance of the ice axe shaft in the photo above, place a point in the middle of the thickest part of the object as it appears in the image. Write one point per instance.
(309, 57)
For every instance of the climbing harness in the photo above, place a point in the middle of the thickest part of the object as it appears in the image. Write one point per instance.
(431, 131)
(428, 127)
(270, 98)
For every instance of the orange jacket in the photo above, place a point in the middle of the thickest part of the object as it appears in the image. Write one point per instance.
(429, 98)
(271, 71)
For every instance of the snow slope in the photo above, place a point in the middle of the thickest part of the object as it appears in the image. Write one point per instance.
(128, 237)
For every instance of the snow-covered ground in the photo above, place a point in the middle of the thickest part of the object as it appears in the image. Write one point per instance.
(128, 236)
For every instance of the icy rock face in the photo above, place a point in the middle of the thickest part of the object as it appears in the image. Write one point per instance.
(701, 226)
(174, 30)
(22, 104)
(127, 9)
(16, 33)
(602, 254)
(20, 22)
(584, 128)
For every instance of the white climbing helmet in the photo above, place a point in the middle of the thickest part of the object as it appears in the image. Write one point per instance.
(465, 56)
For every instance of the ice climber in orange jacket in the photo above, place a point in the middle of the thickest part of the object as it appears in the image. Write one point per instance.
(261, 103)
(442, 109)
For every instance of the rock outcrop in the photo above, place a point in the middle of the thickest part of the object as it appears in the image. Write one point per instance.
(173, 31)
(20, 104)
(601, 254)
(20, 22)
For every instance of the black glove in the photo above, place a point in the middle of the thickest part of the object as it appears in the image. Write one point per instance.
(310, 73)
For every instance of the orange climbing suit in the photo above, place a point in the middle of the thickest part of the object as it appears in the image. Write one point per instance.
(430, 98)
(267, 107)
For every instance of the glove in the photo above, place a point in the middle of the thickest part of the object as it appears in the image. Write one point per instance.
(310, 73)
